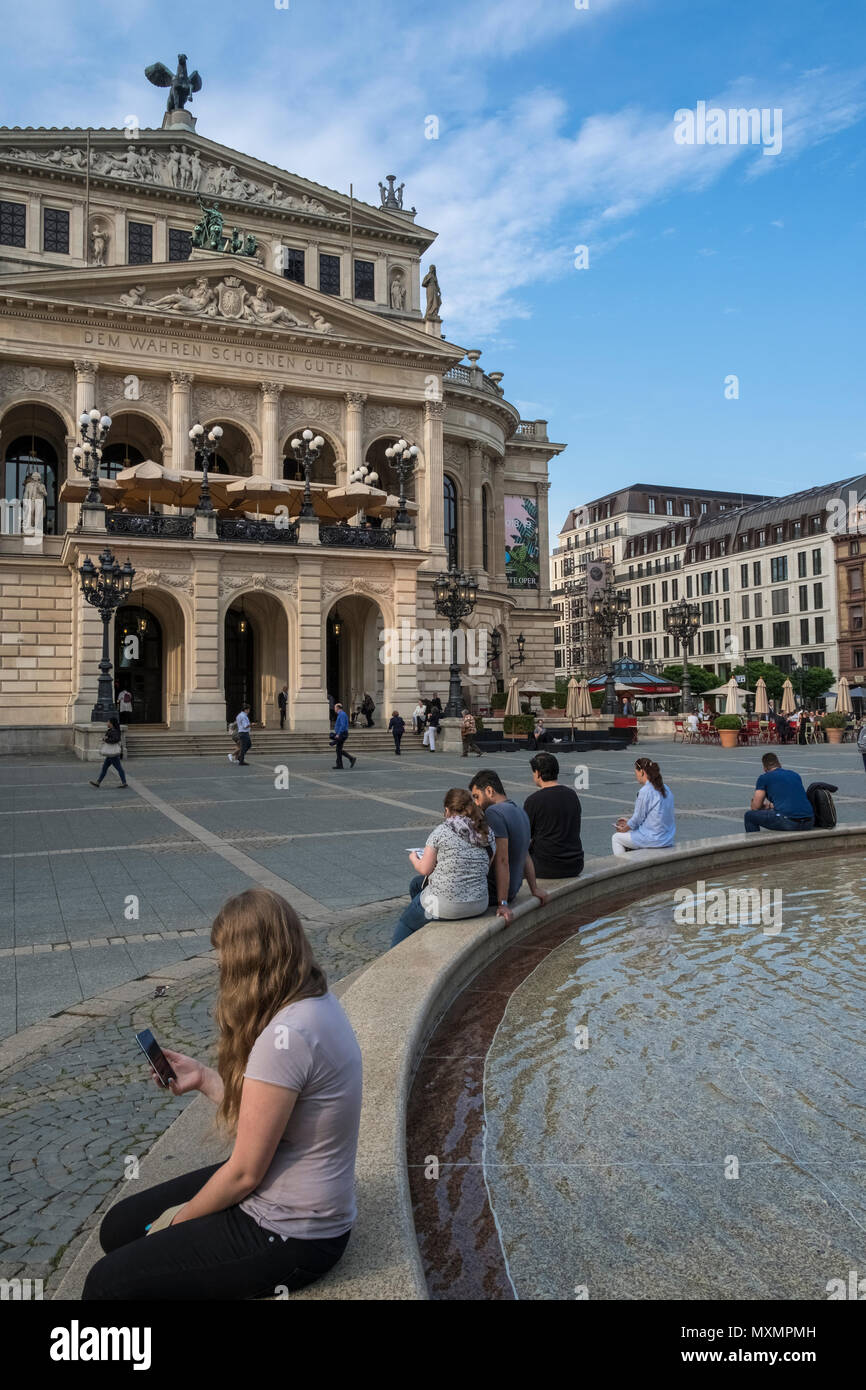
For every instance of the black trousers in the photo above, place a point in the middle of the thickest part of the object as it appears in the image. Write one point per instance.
(222, 1256)
(338, 749)
(282, 716)
(397, 738)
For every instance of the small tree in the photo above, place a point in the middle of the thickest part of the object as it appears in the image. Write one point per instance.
(701, 679)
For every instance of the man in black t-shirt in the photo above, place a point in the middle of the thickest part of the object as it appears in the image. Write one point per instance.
(554, 820)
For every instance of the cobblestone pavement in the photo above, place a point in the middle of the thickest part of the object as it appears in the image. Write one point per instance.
(74, 1110)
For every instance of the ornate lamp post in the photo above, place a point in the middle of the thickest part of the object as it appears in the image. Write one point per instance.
(456, 594)
(609, 608)
(88, 454)
(683, 621)
(205, 448)
(306, 450)
(106, 589)
(402, 456)
(517, 658)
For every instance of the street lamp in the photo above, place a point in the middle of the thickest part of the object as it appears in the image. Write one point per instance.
(402, 456)
(106, 589)
(87, 455)
(306, 450)
(682, 624)
(797, 675)
(517, 658)
(609, 609)
(455, 596)
(204, 449)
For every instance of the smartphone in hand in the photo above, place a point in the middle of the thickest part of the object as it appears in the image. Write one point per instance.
(156, 1057)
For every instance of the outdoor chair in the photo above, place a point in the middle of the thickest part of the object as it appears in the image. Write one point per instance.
(679, 731)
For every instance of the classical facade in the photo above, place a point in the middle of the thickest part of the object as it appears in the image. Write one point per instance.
(301, 308)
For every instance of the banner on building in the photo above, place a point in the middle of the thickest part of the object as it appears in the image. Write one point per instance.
(521, 542)
(596, 578)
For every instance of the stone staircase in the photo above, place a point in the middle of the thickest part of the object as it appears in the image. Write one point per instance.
(150, 742)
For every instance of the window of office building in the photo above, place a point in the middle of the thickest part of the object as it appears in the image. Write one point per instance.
(762, 538)
(759, 605)
(816, 525)
(707, 613)
(781, 634)
(804, 632)
(778, 569)
(854, 548)
(747, 639)
(364, 285)
(756, 571)
(726, 581)
(688, 586)
(669, 507)
(857, 655)
(675, 589)
(779, 601)
(664, 591)
(819, 629)
(796, 530)
(139, 243)
(646, 622)
(816, 562)
(707, 582)
(817, 595)
(709, 642)
(13, 224)
(855, 618)
(855, 581)
(779, 534)
(802, 560)
(651, 504)
(645, 594)
(703, 509)
(329, 274)
(744, 576)
(687, 509)
(726, 610)
(179, 244)
(759, 637)
(55, 230)
(744, 606)
(804, 597)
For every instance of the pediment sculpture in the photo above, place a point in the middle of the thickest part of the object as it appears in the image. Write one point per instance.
(229, 299)
(176, 167)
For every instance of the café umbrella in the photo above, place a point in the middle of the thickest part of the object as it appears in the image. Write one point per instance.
(762, 706)
(788, 702)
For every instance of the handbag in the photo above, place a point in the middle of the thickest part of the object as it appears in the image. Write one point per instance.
(111, 750)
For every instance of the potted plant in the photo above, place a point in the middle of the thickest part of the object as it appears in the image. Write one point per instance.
(517, 724)
(834, 725)
(729, 726)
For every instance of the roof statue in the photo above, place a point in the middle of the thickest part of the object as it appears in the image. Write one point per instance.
(182, 84)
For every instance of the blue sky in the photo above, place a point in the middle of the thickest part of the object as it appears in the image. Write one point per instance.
(556, 129)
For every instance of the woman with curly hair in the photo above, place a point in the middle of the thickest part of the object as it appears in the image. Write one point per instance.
(451, 870)
(287, 1086)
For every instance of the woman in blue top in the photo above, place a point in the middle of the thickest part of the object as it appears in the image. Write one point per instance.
(652, 823)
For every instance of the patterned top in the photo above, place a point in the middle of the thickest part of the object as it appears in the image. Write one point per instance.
(457, 887)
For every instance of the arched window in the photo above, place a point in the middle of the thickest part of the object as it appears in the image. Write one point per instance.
(23, 455)
(451, 537)
(119, 456)
(484, 529)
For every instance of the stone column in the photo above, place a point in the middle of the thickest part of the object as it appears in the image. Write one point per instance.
(118, 242)
(431, 521)
(354, 435)
(34, 222)
(205, 704)
(311, 266)
(497, 539)
(541, 490)
(160, 240)
(402, 677)
(270, 428)
(85, 387)
(309, 700)
(181, 458)
(472, 549)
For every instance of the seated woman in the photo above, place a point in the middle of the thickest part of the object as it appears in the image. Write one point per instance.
(454, 862)
(652, 823)
(279, 1211)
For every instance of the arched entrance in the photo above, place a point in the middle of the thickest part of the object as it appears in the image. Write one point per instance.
(255, 655)
(34, 440)
(353, 652)
(138, 664)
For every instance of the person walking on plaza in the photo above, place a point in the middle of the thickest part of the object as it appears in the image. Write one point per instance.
(282, 701)
(652, 824)
(432, 728)
(511, 861)
(341, 733)
(780, 801)
(468, 730)
(451, 870)
(242, 722)
(861, 744)
(397, 727)
(278, 1212)
(419, 716)
(554, 822)
(124, 704)
(112, 752)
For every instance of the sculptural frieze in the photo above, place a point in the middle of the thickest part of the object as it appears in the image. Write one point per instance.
(228, 299)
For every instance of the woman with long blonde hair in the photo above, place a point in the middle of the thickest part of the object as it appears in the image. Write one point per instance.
(287, 1086)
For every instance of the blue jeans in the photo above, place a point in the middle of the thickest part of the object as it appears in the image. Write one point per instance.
(413, 916)
(118, 767)
(244, 745)
(771, 820)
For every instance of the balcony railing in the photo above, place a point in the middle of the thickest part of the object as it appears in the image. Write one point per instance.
(262, 532)
(377, 538)
(178, 528)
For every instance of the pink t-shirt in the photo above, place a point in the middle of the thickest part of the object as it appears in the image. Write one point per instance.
(308, 1191)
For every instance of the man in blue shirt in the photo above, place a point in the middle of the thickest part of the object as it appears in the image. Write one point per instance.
(341, 733)
(780, 801)
(512, 861)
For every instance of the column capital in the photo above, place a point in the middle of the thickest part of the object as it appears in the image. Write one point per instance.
(84, 368)
(355, 400)
(434, 410)
(181, 378)
(543, 485)
(270, 388)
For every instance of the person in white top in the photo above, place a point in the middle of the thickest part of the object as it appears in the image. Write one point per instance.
(419, 714)
(244, 741)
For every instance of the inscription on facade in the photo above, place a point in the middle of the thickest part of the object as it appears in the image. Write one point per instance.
(216, 352)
